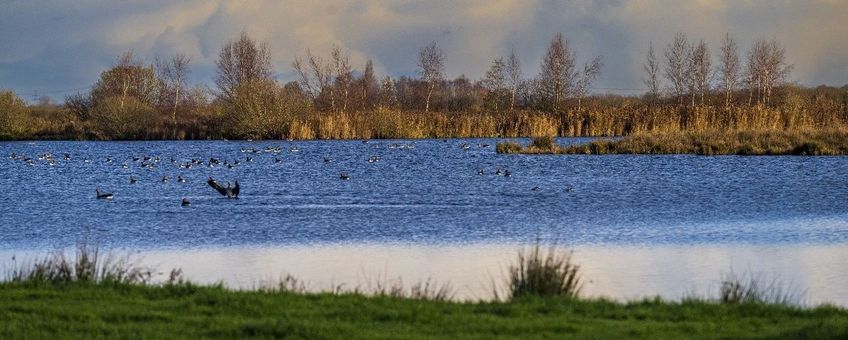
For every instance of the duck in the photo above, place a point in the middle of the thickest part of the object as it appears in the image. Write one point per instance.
(103, 195)
(133, 179)
(181, 179)
(536, 188)
(165, 179)
(344, 176)
(185, 202)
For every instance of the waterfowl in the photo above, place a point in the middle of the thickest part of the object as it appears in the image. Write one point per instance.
(133, 179)
(103, 195)
(344, 176)
(229, 191)
(165, 179)
(180, 179)
(481, 172)
(185, 202)
(536, 189)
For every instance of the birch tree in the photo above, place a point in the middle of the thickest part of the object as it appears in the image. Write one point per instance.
(431, 62)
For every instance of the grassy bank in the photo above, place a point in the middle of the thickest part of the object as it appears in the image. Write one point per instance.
(807, 143)
(188, 311)
(93, 294)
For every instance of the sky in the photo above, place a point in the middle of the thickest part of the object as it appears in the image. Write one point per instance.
(60, 47)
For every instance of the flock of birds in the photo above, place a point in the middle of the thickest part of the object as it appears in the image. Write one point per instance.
(228, 190)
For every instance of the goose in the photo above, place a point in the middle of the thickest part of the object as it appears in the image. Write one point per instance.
(185, 202)
(103, 195)
(229, 191)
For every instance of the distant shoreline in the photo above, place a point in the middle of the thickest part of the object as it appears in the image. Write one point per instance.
(743, 143)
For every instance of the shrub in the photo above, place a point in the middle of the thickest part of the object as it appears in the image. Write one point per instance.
(544, 274)
(546, 143)
(508, 147)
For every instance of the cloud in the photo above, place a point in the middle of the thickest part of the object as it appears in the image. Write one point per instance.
(61, 45)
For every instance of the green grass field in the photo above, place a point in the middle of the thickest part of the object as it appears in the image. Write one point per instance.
(188, 311)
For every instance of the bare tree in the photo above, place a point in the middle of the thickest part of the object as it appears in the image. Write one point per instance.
(315, 75)
(173, 74)
(557, 75)
(344, 75)
(652, 70)
(495, 81)
(431, 60)
(369, 85)
(677, 65)
(700, 66)
(129, 77)
(513, 70)
(591, 72)
(388, 95)
(767, 68)
(730, 67)
(240, 62)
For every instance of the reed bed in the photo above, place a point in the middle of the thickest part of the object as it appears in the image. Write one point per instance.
(750, 143)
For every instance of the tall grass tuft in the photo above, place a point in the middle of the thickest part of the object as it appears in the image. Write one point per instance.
(87, 266)
(508, 147)
(751, 288)
(543, 143)
(544, 274)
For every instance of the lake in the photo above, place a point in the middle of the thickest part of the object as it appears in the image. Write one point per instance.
(639, 224)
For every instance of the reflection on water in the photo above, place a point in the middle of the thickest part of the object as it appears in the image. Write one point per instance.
(621, 272)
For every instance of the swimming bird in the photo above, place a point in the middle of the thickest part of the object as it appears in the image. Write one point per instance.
(165, 179)
(133, 179)
(229, 191)
(536, 189)
(481, 172)
(103, 195)
(180, 179)
(344, 176)
(185, 202)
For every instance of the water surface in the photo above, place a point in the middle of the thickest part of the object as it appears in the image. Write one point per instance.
(424, 194)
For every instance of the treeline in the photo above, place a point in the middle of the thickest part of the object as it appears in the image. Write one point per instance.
(135, 99)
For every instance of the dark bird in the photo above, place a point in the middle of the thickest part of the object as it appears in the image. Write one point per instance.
(569, 188)
(481, 172)
(277, 159)
(327, 160)
(133, 179)
(103, 195)
(536, 189)
(180, 179)
(507, 173)
(229, 191)
(344, 176)
(165, 179)
(185, 202)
